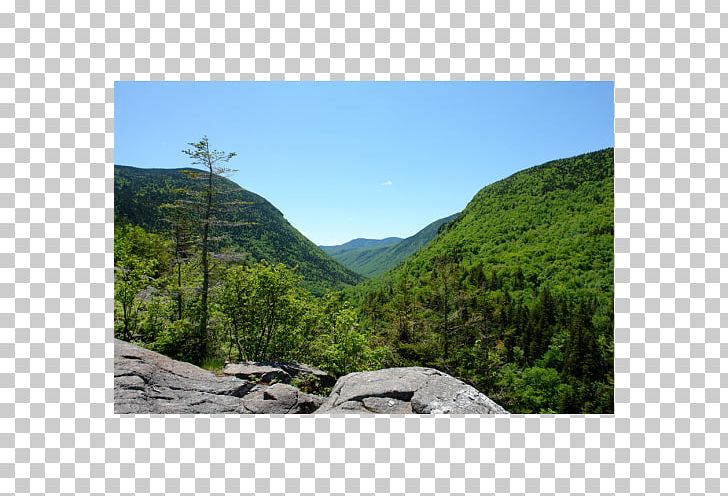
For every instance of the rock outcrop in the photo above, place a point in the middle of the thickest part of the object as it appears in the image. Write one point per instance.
(280, 398)
(147, 382)
(257, 372)
(276, 371)
(406, 390)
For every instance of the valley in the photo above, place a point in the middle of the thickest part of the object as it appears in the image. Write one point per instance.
(373, 257)
(513, 295)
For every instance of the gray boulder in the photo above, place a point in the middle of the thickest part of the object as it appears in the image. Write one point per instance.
(253, 371)
(147, 382)
(268, 371)
(280, 398)
(406, 390)
(295, 369)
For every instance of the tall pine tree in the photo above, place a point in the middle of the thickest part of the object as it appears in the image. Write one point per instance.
(211, 161)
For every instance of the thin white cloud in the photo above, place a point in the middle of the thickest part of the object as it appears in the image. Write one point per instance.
(387, 183)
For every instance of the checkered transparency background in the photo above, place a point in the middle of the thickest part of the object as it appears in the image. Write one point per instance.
(59, 433)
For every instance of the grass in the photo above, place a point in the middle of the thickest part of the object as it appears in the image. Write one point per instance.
(214, 365)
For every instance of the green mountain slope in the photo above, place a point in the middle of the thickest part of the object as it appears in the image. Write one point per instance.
(515, 295)
(371, 258)
(138, 194)
(359, 244)
(553, 221)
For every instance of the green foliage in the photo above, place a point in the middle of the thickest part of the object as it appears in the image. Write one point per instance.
(139, 258)
(270, 316)
(531, 390)
(342, 344)
(176, 340)
(309, 383)
(556, 352)
(258, 311)
(213, 364)
(259, 304)
(249, 223)
(515, 294)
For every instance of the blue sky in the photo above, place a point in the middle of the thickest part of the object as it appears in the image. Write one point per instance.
(344, 160)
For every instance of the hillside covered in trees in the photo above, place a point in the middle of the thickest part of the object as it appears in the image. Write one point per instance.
(513, 295)
(250, 225)
(372, 257)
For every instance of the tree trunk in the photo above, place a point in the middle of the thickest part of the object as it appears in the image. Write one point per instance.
(202, 333)
(125, 320)
(179, 290)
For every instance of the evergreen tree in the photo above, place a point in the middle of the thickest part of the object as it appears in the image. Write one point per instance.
(183, 239)
(583, 360)
(543, 318)
(402, 304)
(211, 162)
(443, 301)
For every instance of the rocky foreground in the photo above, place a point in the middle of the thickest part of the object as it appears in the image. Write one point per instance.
(147, 382)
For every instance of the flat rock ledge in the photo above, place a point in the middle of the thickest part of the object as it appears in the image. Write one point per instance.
(147, 382)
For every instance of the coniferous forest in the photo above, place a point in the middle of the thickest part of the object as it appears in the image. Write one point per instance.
(513, 295)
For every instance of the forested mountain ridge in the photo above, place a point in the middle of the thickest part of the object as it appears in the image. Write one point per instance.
(371, 258)
(515, 295)
(358, 243)
(554, 221)
(410, 245)
(256, 226)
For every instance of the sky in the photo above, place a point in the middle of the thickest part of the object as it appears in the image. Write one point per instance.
(345, 160)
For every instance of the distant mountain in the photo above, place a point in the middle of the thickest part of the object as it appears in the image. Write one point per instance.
(138, 194)
(372, 257)
(359, 243)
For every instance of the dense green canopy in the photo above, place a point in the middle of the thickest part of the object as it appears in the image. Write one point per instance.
(255, 227)
(515, 295)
